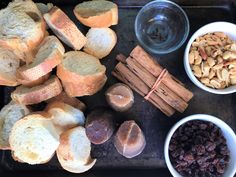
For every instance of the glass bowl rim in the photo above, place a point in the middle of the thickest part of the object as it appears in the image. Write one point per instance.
(173, 48)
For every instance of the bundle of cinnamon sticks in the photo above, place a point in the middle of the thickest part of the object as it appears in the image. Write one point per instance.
(144, 75)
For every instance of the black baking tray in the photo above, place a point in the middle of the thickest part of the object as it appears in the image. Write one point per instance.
(153, 122)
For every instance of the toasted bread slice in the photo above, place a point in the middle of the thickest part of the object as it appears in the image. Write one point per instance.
(68, 100)
(97, 14)
(9, 63)
(73, 152)
(36, 82)
(9, 114)
(100, 42)
(49, 55)
(27, 6)
(22, 28)
(64, 116)
(75, 167)
(33, 139)
(27, 96)
(64, 28)
(81, 74)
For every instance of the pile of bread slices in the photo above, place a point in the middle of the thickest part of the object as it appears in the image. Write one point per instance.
(29, 55)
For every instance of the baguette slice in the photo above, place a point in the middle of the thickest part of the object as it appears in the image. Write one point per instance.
(73, 152)
(81, 74)
(74, 102)
(27, 96)
(27, 6)
(9, 114)
(100, 42)
(9, 63)
(22, 28)
(64, 116)
(27, 83)
(97, 14)
(33, 139)
(64, 28)
(75, 167)
(49, 55)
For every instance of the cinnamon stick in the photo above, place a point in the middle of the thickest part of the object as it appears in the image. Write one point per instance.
(121, 58)
(151, 100)
(135, 82)
(162, 90)
(149, 63)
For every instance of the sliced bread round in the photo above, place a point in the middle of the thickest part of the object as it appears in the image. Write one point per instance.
(64, 28)
(9, 114)
(100, 42)
(49, 55)
(75, 167)
(64, 116)
(9, 63)
(81, 74)
(74, 151)
(97, 14)
(33, 139)
(22, 28)
(33, 83)
(37, 94)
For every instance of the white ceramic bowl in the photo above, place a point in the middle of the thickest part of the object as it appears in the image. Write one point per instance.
(227, 132)
(227, 28)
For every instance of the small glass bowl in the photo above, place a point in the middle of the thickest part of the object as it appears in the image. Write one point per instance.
(161, 26)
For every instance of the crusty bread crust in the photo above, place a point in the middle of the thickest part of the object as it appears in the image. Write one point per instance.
(72, 161)
(24, 11)
(9, 64)
(34, 73)
(86, 87)
(27, 96)
(64, 116)
(64, 28)
(76, 85)
(9, 114)
(100, 42)
(41, 119)
(80, 85)
(68, 100)
(43, 64)
(36, 82)
(101, 20)
(74, 167)
(8, 80)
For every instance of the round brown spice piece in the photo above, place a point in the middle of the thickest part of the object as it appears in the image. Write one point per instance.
(99, 126)
(120, 97)
(129, 139)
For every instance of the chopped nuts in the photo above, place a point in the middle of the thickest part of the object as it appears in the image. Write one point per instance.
(229, 55)
(191, 57)
(197, 71)
(213, 60)
(215, 83)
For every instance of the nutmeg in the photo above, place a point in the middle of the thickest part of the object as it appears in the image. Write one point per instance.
(99, 125)
(120, 97)
(129, 139)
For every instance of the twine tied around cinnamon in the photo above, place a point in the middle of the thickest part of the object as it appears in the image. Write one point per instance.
(162, 75)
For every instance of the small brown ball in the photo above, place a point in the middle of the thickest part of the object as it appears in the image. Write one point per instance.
(129, 139)
(99, 125)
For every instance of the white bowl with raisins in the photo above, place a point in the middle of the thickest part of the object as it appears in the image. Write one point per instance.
(206, 133)
(210, 58)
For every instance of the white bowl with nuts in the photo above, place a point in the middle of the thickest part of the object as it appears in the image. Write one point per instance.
(210, 58)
